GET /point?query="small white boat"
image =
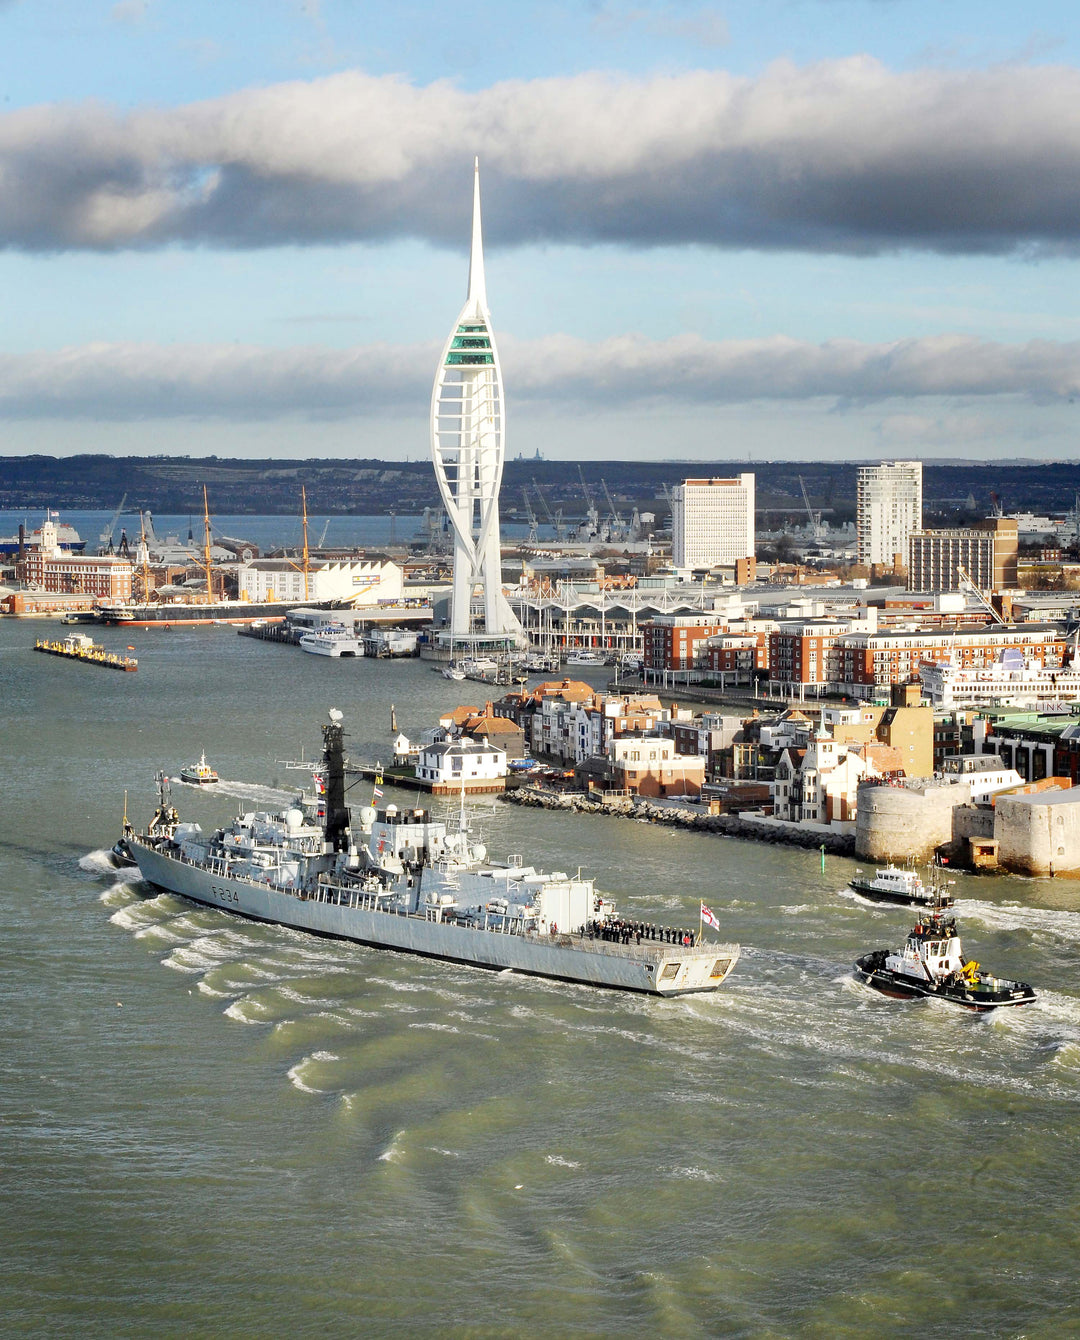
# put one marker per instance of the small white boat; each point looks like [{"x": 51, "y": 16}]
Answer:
[
  {"x": 586, "y": 658},
  {"x": 333, "y": 639},
  {"x": 453, "y": 672},
  {"x": 198, "y": 774},
  {"x": 479, "y": 665},
  {"x": 896, "y": 885}
]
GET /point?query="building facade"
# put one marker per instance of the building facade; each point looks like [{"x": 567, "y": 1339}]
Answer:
[
  {"x": 712, "y": 523},
  {"x": 865, "y": 665},
  {"x": 888, "y": 510},
  {"x": 49, "y": 568},
  {"x": 985, "y": 553},
  {"x": 269, "y": 579}
]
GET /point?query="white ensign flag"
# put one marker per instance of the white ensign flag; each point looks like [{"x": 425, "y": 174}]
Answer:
[{"x": 709, "y": 917}]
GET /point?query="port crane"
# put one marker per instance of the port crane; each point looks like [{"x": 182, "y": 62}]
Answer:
[
  {"x": 816, "y": 528},
  {"x": 106, "y": 537},
  {"x": 616, "y": 527},
  {"x": 555, "y": 519},
  {"x": 531, "y": 517}
]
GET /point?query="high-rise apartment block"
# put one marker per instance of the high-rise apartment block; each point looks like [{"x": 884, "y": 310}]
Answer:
[
  {"x": 888, "y": 509},
  {"x": 712, "y": 523},
  {"x": 986, "y": 553}
]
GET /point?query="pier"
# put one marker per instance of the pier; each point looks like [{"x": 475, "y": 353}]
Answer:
[{"x": 77, "y": 647}]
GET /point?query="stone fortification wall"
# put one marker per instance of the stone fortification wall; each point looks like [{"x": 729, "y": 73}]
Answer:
[
  {"x": 1037, "y": 837},
  {"x": 896, "y": 823},
  {"x": 973, "y": 821}
]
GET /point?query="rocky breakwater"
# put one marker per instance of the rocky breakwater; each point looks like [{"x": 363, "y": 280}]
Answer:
[{"x": 680, "y": 816}]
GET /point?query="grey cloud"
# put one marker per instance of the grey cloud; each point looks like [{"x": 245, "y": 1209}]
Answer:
[
  {"x": 843, "y": 156},
  {"x": 124, "y": 382}
]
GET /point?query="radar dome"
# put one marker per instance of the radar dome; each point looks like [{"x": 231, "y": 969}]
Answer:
[
  {"x": 294, "y": 818},
  {"x": 367, "y": 818}
]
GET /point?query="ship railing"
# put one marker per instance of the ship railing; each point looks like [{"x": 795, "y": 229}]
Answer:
[{"x": 649, "y": 951}]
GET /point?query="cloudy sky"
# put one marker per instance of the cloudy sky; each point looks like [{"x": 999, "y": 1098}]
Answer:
[{"x": 753, "y": 230}]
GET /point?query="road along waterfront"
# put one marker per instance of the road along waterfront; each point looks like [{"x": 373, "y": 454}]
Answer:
[{"x": 213, "y": 1126}]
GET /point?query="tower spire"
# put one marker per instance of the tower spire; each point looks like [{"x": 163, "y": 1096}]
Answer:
[{"x": 477, "y": 288}]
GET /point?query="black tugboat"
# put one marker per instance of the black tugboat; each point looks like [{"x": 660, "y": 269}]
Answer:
[{"x": 931, "y": 964}]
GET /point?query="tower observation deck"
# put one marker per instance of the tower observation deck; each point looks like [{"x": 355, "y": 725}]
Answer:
[{"x": 467, "y": 446}]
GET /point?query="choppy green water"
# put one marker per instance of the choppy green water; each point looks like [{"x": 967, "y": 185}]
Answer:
[{"x": 218, "y": 1128}]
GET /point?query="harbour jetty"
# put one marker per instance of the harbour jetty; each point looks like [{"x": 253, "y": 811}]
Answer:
[{"x": 79, "y": 647}]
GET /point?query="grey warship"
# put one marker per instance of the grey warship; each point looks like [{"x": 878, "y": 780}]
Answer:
[{"x": 411, "y": 883}]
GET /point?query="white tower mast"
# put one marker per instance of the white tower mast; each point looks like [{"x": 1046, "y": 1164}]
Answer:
[{"x": 467, "y": 436}]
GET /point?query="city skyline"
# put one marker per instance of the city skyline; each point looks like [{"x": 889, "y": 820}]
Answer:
[{"x": 810, "y": 228}]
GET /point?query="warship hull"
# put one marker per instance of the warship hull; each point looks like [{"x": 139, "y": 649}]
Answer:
[{"x": 338, "y": 912}]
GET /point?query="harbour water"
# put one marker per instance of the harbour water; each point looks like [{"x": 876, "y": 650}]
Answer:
[{"x": 219, "y": 1128}]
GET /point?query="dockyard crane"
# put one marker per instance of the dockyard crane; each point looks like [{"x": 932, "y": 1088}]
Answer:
[
  {"x": 815, "y": 517},
  {"x": 555, "y": 522},
  {"x": 968, "y": 583},
  {"x": 617, "y": 528},
  {"x": 531, "y": 517},
  {"x": 106, "y": 536}
]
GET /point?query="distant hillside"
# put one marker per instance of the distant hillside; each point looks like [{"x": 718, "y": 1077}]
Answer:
[{"x": 174, "y": 484}]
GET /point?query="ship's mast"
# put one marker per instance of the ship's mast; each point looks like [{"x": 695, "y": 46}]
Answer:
[
  {"x": 307, "y": 565},
  {"x": 337, "y": 813},
  {"x": 144, "y": 554},
  {"x": 206, "y": 549}
]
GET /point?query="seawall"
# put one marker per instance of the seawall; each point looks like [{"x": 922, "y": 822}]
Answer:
[{"x": 725, "y": 825}]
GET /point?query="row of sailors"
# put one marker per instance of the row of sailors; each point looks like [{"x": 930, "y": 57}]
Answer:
[{"x": 623, "y": 932}]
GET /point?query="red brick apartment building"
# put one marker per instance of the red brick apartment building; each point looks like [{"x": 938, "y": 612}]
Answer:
[
  {"x": 670, "y": 641},
  {"x": 866, "y": 663}
]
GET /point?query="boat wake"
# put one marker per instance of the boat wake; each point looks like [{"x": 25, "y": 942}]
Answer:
[
  {"x": 1014, "y": 916},
  {"x": 100, "y": 862},
  {"x": 254, "y": 791}
]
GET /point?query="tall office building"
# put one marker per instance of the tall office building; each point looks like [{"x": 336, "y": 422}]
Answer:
[
  {"x": 467, "y": 446},
  {"x": 888, "y": 509},
  {"x": 712, "y": 522},
  {"x": 985, "y": 553}
]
